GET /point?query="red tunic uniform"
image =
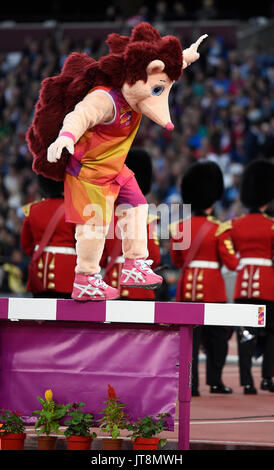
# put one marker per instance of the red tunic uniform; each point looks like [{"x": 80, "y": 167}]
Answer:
[
  {"x": 56, "y": 267},
  {"x": 253, "y": 239},
  {"x": 202, "y": 280},
  {"x": 115, "y": 245}
]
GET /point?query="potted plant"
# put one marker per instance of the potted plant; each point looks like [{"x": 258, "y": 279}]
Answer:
[
  {"x": 145, "y": 431},
  {"x": 12, "y": 430},
  {"x": 113, "y": 421},
  {"x": 49, "y": 421},
  {"x": 78, "y": 433}
]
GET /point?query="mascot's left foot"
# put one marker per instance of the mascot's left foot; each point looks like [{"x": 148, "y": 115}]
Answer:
[
  {"x": 137, "y": 273},
  {"x": 92, "y": 287}
]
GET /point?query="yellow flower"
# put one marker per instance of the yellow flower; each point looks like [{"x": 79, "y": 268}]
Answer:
[{"x": 48, "y": 395}]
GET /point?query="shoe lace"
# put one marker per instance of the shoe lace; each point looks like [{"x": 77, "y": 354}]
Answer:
[
  {"x": 145, "y": 264},
  {"x": 98, "y": 281}
]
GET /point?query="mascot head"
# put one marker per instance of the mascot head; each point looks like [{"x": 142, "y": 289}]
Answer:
[{"x": 144, "y": 66}]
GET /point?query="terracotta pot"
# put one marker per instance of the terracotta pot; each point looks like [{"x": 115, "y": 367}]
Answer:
[
  {"x": 46, "y": 442},
  {"x": 79, "y": 442},
  {"x": 13, "y": 441},
  {"x": 146, "y": 443},
  {"x": 112, "y": 444}
]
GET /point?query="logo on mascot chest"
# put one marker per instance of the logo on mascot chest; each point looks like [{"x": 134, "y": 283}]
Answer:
[{"x": 125, "y": 116}]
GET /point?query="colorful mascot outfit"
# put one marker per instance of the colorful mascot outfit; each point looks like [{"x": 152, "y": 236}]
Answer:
[{"x": 93, "y": 110}]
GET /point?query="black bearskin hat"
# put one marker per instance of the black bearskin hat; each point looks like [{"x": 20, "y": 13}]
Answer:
[
  {"x": 139, "y": 161},
  {"x": 202, "y": 185},
  {"x": 49, "y": 187},
  {"x": 257, "y": 185}
]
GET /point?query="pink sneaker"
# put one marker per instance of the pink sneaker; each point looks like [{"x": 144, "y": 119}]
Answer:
[
  {"x": 92, "y": 287},
  {"x": 137, "y": 273}
]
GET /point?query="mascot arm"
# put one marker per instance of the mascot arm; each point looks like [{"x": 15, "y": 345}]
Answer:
[
  {"x": 191, "y": 55},
  {"x": 95, "y": 108}
]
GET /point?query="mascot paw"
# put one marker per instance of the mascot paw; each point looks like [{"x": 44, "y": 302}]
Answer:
[{"x": 55, "y": 149}]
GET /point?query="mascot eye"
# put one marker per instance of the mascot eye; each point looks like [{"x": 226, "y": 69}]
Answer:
[{"x": 157, "y": 90}]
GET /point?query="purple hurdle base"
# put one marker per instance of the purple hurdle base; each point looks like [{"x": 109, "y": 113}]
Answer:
[{"x": 136, "y": 325}]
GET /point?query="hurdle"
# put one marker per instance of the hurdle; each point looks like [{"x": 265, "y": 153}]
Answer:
[{"x": 180, "y": 317}]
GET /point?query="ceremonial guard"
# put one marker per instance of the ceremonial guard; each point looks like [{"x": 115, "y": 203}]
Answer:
[
  {"x": 138, "y": 160},
  {"x": 49, "y": 240},
  {"x": 253, "y": 238},
  {"x": 201, "y": 279}
]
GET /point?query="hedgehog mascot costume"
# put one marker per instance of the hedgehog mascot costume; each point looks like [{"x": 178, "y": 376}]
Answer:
[{"x": 85, "y": 121}]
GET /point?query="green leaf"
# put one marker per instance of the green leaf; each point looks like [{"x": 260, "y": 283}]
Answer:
[
  {"x": 162, "y": 442},
  {"x": 115, "y": 432}
]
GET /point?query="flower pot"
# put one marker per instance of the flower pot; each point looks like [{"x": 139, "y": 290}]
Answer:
[
  {"x": 46, "y": 442},
  {"x": 146, "y": 443},
  {"x": 79, "y": 442},
  {"x": 13, "y": 441},
  {"x": 112, "y": 444}
]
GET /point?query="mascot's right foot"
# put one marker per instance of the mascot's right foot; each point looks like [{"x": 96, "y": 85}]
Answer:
[
  {"x": 137, "y": 273},
  {"x": 92, "y": 287}
]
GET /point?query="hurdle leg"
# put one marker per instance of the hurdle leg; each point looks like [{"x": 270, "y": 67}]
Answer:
[{"x": 185, "y": 385}]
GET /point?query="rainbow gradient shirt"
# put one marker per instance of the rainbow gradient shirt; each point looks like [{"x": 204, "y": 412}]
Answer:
[{"x": 100, "y": 153}]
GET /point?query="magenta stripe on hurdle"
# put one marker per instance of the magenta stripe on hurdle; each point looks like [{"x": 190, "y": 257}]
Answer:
[
  {"x": 4, "y": 307},
  {"x": 186, "y": 313},
  {"x": 80, "y": 311}
]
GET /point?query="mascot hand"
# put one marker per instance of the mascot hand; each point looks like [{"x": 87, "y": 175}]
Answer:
[
  {"x": 191, "y": 55},
  {"x": 55, "y": 149}
]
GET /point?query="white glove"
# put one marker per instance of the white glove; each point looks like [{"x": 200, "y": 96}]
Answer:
[
  {"x": 56, "y": 148},
  {"x": 191, "y": 55}
]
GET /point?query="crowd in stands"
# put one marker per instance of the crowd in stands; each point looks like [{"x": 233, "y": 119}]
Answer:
[{"x": 222, "y": 109}]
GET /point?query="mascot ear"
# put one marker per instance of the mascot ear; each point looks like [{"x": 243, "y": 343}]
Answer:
[{"x": 155, "y": 66}]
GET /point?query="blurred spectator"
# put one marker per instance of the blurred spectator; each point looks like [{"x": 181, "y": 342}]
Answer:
[
  {"x": 113, "y": 14},
  {"x": 207, "y": 11},
  {"x": 179, "y": 12},
  {"x": 143, "y": 14},
  {"x": 160, "y": 13}
]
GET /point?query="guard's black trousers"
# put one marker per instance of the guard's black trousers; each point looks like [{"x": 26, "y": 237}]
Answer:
[
  {"x": 262, "y": 343},
  {"x": 215, "y": 343}
]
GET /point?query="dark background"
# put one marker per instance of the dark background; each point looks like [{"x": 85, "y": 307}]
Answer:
[{"x": 96, "y": 11}]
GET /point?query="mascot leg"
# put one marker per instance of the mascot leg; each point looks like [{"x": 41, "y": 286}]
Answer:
[
  {"x": 136, "y": 271},
  {"x": 88, "y": 283}
]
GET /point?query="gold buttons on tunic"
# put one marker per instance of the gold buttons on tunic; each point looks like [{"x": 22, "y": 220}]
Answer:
[
  {"x": 52, "y": 263},
  {"x": 51, "y": 285}
]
